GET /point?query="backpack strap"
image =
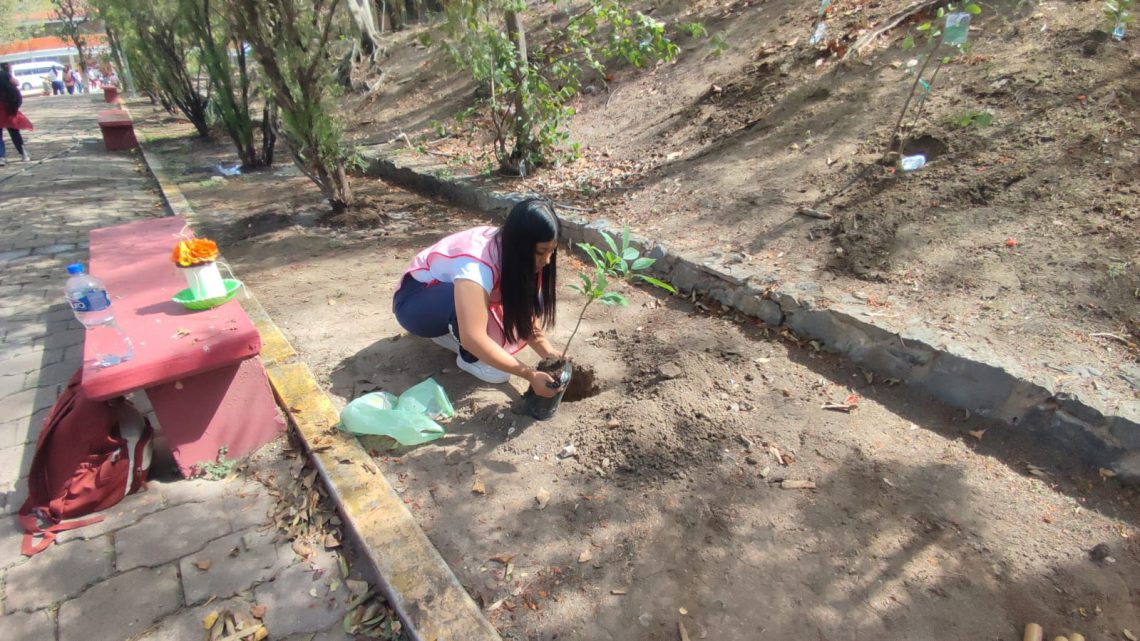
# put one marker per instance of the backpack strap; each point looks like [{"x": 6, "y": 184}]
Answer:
[{"x": 31, "y": 525}]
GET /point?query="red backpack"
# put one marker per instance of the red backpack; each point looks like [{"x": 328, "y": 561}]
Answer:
[{"x": 89, "y": 455}]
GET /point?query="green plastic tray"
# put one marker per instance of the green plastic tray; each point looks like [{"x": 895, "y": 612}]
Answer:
[{"x": 187, "y": 300}]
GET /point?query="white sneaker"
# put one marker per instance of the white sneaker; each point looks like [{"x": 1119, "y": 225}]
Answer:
[
  {"x": 25, "y": 157},
  {"x": 447, "y": 341},
  {"x": 482, "y": 371}
]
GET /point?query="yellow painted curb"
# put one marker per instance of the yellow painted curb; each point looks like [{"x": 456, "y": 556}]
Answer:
[
  {"x": 423, "y": 589},
  {"x": 416, "y": 580}
]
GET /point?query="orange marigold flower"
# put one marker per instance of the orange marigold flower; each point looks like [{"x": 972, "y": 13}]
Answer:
[{"x": 188, "y": 253}]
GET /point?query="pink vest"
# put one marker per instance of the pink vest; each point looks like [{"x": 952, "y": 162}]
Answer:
[{"x": 478, "y": 243}]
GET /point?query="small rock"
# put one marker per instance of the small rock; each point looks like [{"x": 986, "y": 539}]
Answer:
[
  {"x": 1100, "y": 552},
  {"x": 568, "y": 451},
  {"x": 612, "y": 423},
  {"x": 765, "y": 471},
  {"x": 669, "y": 370},
  {"x": 751, "y": 460}
]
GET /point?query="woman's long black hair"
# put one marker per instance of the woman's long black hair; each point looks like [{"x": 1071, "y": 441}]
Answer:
[{"x": 530, "y": 222}]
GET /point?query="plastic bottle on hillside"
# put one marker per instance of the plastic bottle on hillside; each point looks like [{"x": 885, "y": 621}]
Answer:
[
  {"x": 912, "y": 163},
  {"x": 91, "y": 303}
]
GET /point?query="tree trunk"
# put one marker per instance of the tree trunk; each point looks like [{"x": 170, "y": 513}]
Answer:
[
  {"x": 268, "y": 132},
  {"x": 341, "y": 197},
  {"x": 521, "y": 129},
  {"x": 364, "y": 16}
]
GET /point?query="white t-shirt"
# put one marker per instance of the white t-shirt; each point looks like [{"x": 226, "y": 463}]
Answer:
[{"x": 448, "y": 270}]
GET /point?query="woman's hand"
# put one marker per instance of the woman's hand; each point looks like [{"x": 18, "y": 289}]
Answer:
[{"x": 543, "y": 384}]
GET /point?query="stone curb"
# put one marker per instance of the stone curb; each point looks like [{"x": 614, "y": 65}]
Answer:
[
  {"x": 415, "y": 579},
  {"x": 954, "y": 373}
]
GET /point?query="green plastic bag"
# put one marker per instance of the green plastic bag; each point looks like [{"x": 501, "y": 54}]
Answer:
[{"x": 410, "y": 419}]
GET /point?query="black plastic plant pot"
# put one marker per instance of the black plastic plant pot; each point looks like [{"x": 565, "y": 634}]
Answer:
[{"x": 541, "y": 407}]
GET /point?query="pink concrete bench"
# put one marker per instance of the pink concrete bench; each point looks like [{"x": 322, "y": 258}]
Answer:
[
  {"x": 200, "y": 369},
  {"x": 118, "y": 130}
]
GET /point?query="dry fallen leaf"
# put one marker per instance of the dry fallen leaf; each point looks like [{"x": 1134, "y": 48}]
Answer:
[
  {"x": 978, "y": 434},
  {"x": 257, "y": 611},
  {"x": 682, "y": 611},
  {"x": 618, "y": 591},
  {"x": 542, "y": 497},
  {"x": 180, "y": 332},
  {"x": 797, "y": 485},
  {"x": 203, "y": 565},
  {"x": 503, "y": 558},
  {"x": 331, "y": 542},
  {"x": 585, "y": 556},
  {"x": 681, "y": 629},
  {"x": 356, "y": 587},
  {"x": 478, "y": 488},
  {"x": 261, "y": 634},
  {"x": 210, "y": 619},
  {"x": 1106, "y": 473},
  {"x": 302, "y": 550}
]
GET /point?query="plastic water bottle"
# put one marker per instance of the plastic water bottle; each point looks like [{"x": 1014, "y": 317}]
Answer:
[
  {"x": 911, "y": 163},
  {"x": 88, "y": 298},
  {"x": 1118, "y": 31},
  {"x": 818, "y": 34}
]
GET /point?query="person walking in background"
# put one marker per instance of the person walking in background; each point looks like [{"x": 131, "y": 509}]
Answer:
[
  {"x": 92, "y": 79},
  {"x": 10, "y": 116},
  {"x": 77, "y": 77},
  {"x": 69, "y": 79},
  {"x": 56, "y": 81}
]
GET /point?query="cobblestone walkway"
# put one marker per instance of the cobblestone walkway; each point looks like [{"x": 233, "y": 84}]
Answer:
[{"x": 163, "y": 559}]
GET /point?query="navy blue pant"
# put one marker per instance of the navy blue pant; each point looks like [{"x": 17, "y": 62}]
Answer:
[{"x": 428, "y": 311}]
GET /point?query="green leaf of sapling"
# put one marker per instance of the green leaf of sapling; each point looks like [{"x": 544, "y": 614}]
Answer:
[
  {"x": 629, "y": 253},
  {"x": 642, "y": 263},
  {"x": 613, "y": 298},
  {"x": 657, "y": 283},
  {"x": 625, "y": 240},
  {"x": 974, "y": 8},
  {"x": 610, "y": 241}
]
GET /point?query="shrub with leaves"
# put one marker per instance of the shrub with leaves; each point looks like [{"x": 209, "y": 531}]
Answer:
[
  {"x": 291, "y": 42},
  {"x": 528, "y": 93},
  {"x": 612, "y": 262},
  {"x": 221, "y": 53},
  {"x": 162, "y": 53}
]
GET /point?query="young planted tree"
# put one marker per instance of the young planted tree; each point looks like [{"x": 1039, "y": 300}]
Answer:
[
  {"x": 72, "y": 15},
  {"x": 529, "y": 91},
  {"x": 614, "y": 262},
  {"x": 290, "y": 39},
  {"x": 948, "y": 30},
  {"x": 221, "y": 53}
]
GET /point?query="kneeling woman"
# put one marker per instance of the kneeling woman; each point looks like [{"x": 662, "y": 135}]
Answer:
[{"x": 487, "y": 292}]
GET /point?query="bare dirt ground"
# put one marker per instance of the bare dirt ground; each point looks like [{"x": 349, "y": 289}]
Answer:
[
  {"x": 923, "y": 524},
  {"x": 713, "y": 154}
]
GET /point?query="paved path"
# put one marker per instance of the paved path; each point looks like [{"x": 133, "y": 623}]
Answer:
[{"x": 137, "y": 575}]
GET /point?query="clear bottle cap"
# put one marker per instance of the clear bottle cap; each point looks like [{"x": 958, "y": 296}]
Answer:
[{"x": 75, "y": 268}]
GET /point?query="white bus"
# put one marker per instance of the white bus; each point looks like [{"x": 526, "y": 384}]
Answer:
[{"x": 30, "y": 75}]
